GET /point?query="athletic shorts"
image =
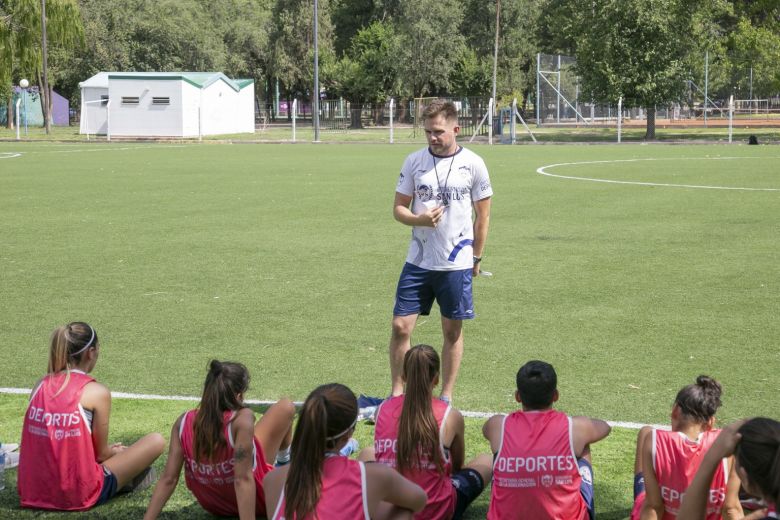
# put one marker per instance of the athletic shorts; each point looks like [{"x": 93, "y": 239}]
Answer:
[
  {"x": 418, "y": 287},
  {"x": 109, "y": 487},
  {"x": 586, "y": 485},
  {"x": 468, "y": 485}
]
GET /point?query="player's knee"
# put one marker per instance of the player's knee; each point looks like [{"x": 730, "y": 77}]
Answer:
[
  {"x": 156, "y": 443},
  {"x": 286, "y": 407},
  {"x": 401, "y": 328}
]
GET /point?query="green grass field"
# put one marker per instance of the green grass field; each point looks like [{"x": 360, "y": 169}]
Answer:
[{"x": 285, "y": 257}]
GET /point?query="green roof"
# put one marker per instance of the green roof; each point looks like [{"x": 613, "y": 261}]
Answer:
[{"x": 196, "y": 79}]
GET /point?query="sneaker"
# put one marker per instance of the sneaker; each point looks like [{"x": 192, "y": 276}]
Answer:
[
  {"x": 367, "y": 407},
  {"x": 350, "y": 447},
  {"x": 282, "y": 458},
  {"x": 8, "y": 448},
  {"x": 11, "y": 460},
  {"x": 142, "y": 481}
]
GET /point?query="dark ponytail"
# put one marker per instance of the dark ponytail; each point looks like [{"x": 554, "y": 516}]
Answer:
[
  {"x": 758, "y": 453},
  {"x": 224, "y": 384},
  {"x": 418, "y": 432},
  {"x": 700, "y": 401},
  {"x": 327, "y": 415}
]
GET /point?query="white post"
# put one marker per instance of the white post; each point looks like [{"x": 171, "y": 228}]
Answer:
[
  {"x": 18, "y": 102},
  {"x": 108, "y": 120},
  {"x": 538, "y": 87},
  {"x": 490, "y": 122},
  {"x": 731, "y": 114},
  {"x": 512, "y": 126},
  {"x": 392, "y": 109},
  {"x": 558, "y": 96},
  {"x": 620, "y": 118},
  {"x": 200, "y": 116},
  {"x": 294, "y": 113},
  {"x": 706, "y": 83}
]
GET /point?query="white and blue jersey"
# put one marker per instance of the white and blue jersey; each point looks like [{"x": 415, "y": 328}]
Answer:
[{"x": 456, "y": 182}]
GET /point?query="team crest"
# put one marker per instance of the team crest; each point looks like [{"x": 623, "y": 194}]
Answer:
[
  {"x": 424, "y": 192},
  {"x": 547, "y": 480}
]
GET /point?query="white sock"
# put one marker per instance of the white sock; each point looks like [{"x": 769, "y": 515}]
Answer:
[{"x": 283, "y": 456}]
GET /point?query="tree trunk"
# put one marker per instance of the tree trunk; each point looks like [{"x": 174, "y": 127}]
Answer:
[
  {"x": 379, "y": 114},
  {"x": 650, "y": 132},
  {"x": 403, "y": 112},
  {"x": 11, "y": 114},
  {"x": 355, "y": 109}
]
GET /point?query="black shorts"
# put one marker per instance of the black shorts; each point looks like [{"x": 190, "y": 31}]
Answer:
[
  {"x": 109, "y": 487},
  {"x": 468, "y": 486}
]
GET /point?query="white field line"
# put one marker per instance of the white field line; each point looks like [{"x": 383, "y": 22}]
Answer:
[
  {"x": 155, "y": 397},
  {"x": 9, "y": 155},
  {"x": 102, "y": 148},
  {"x": 542, "y": 171}
]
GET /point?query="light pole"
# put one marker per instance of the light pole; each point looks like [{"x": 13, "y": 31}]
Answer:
[{"x": 24, "y": 84}]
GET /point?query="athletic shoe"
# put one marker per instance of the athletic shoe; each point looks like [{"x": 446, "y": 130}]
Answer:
[
  {"x": 8, "y": 448},
  {"x": 11, "y": 460},
  {"x": 367, "y": 407},
  {"x": 282, "y": 458},
  {"x": 142, "y": 481},
  {"x": 350, "y": 448}
]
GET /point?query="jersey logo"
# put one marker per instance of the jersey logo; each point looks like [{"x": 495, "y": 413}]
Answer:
[{"x": 424, "y": 192}]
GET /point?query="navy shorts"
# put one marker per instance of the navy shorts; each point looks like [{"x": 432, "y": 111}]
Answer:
[
  {"x": 418, "y": 287},
  {"x": 468, "y": 485},
  {"x": 109, "y": 487},
  {"x": 639, "y": 484},
  {"x": 586, "y": 485}
]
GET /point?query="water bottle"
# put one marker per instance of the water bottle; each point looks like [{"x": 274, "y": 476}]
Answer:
[{"x": 2, "y": 467}]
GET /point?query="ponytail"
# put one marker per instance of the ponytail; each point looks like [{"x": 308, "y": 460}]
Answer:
[
  {"x": 224, "y": 384},
  {"x": 701, "y": 400},
  {"x": 69, "y": 343},
  {"x": 758, "y": 453},
  {"x": 327, "y": 415},
  {"x": 418, "y": 432}
]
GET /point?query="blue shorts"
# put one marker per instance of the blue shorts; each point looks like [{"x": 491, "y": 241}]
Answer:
[
  {"x": 418, "y": 287},
  {"x": 586, "y": 485},
  {"x": 109, "y": 487},
  {"x": 468, "y": 486}
]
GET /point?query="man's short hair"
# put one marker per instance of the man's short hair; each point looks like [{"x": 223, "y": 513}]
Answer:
[
  {"x": 441, "y": 107},
  {"x": 536, "y": 384}
]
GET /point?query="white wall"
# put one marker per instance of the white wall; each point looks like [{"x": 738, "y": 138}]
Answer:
[
  {"x": 190, "y": 96},
  {"x": 93, "y": 115},
  {"x": 146, "y": 119},
  {"x": 225, "y": 111},
  {"x": 245, "y": 118}
]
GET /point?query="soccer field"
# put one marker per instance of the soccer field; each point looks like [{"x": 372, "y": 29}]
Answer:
[{"x": 285, "y": 257}]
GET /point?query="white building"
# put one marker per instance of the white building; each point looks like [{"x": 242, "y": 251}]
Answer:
[{"x": 177, "y": 104}]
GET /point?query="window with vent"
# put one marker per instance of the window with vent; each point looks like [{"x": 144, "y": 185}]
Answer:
[
  {"x": 130, "y": 100},
  {"x": 103, "y": 100},
  {"x": 161, "y": 101}
]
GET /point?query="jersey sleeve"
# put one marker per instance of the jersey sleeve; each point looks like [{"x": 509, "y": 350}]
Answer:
[
  {"x": 481, "y": 188},
  {"x": 406, "y": 178}
]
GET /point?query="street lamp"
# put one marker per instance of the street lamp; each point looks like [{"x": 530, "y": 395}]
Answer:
[{"x": 24, "y": 84}]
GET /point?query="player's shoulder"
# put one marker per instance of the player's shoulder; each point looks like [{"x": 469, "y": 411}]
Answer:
[{"x": 417, "y": 156}]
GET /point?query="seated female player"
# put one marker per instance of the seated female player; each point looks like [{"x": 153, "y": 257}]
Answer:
[
  {"x": 755, "y": 444},
  {"x": 423, "y": 438},
  {"x": 666, "y": 461},
  {"x": 66, "y": 462},
  {"x": 223, "y": 450},
  {"x": 321, "y": 483}
]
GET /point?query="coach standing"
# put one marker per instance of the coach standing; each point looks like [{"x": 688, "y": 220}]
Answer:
[{"x": 436, "y": 191}]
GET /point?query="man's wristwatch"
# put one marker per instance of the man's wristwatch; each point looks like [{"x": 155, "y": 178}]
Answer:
[{"x": 477, "y": 259}]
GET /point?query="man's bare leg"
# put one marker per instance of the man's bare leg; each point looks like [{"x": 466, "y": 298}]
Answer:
[
  {"x": 451, "y": 354},
  {"x": 400, "y": 343}
]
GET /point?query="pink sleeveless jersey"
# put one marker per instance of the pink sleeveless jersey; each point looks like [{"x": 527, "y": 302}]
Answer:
[
  {"x": 212, "y": 483},
  {"x": 676, "y": 459},
  {"x": 535, "y": 474},
  {"x": 343, "y": 494},
  {"x": 57, "y": 468},
  {"x": 438, "y": 486}
]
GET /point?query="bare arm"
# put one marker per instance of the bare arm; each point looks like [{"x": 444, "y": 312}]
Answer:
[
  {"x": 170, "y": 476},
  {"x": 732, "y": 507},
  {"x": 653, "y": 507},
  {"x": 481, "y": 225},
  {"x": 492, "y": 432},
  {"x": 243, "y": 430},
  {"x": 386, "y": 484},
  {"x": 403, "y": 213},
  {"x": 97, "y": 398},
  {"x": 588, "y": 431},
  {"x": 456, "y": 430}
]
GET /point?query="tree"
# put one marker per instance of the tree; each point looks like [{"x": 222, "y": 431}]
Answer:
[
  {"x": 291, "y": 44},
  {"x": 367, "y": 73},
  {"x": 431, "y": 42},
  {"x": 21, "y": 38},
  {"x": 633, "y": 49}
]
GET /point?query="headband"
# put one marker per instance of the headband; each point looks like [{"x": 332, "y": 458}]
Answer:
[
  {"x": 334, "y": 437},
  {"x": 89, "y": 343}
]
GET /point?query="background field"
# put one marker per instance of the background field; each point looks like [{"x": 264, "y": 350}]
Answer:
[{"x": 286, "y": 257}]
